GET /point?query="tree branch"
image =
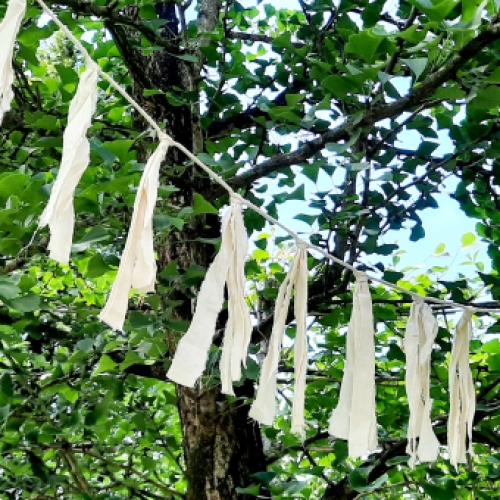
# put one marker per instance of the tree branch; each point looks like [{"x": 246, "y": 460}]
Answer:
[
  {"x": 416, "y": 97},
  {"x": 108, "y": 13},
  {"x": 256, "y": 38}
]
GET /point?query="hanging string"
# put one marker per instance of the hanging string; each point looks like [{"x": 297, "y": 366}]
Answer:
[
  {"x": 229, "y": 189},
  {"x": 462, "y": 393},
  {"x": 138, "y": 264},
  {"x": 59, "y": 213},
  {"x": 354, "y": 418},
  {"x": 264, "y": 406},
  {"x": 193, "y": 348},
  {"x": 421, "y": 331}
]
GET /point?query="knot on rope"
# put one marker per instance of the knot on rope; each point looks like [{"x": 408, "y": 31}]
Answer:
[
  {"x": 236, "y": 198},
  {"x": 165, "y": 138},
  {"x": 360, "y": 275}
]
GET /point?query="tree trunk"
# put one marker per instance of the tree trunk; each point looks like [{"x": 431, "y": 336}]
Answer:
[{"x": 222, "y": 446}]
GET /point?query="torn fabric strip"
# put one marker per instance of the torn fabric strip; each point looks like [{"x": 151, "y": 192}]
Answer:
[
  {"x": 300, "y": 345},
  {"x": 264, "y": 406},
  {"x": 228, "y": 266},
  {"x": 59, "y": 213},
  {"x": 462, "y": 393},
  {"x": 238, "y": 328},
  {"x": 138, "y": 264},
  {"x": 354, "y": 417},
  {"x": 421, "y": 331},
  {"x": 9, "y": 27}
]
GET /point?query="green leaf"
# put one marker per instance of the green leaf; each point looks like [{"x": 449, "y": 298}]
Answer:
[
  {"x": 493, "y": 362},
  {"x": 6, "y": 386},
  {"x": 358, "y": 479},
  {"x": 121, "y": 149},
  {"x": 436, "y": 493},
  {"x": 417, "y": 232},
  {"x": 339, "y": 86},
  {"x": 308, "y": 219},
  {"x": 292, "y": 487},
  {"x": 357, "y": 167},
  {"x": 436, "y": 10},
  {"x": 491, "y": 347},
  {"x": 253, "y": 490},
  {"x": 8, "y": 289},
  {"x": 103, "y": 152},
  {"x": 97, "y": 267},
  {"x": 95, "y": 235},
  {"x": 294, "y": 99},
  {"x": 85, "y": 344},
  {"x": 106, "y": 364},
  {"x": 12, "y": 183},
  {"x": 440, "y": 249},
  {"x": 265, "y": 477},
  {"x": 26, "y": 303},
  {"x": 417, "y": 65},
  {"x": 364, "y": 44},
  {"x": 70, "y": 394},
  {"x": 468, "y": 239},
  {"x": 188, "y": 57},
  {"x": 202, "y": 206},
  {"x": 131, "y": 358},
  {"x": 486, "y": 99}
]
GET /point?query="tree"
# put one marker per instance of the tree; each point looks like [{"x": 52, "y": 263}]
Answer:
[{"x": 272, "y": 98}]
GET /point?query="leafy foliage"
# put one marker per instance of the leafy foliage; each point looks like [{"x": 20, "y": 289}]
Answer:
[{"x": 305, "y": 106}]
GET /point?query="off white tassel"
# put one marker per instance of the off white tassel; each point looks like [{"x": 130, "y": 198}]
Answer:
[
  {"x": 462, "y": 393},
  {"x": 300, "y": 347},
  {"x": 264, "y": 406},
  {"x": 138, "y": 265},
  {"x": 421, "y": 331},
  {"x": 238, "y": 327},
  {"x": 354, "y": 418},
  {"x": 192, "y": 351},
  {"x": 9, "y": 28},
  {"x": 59, "y": 213}
]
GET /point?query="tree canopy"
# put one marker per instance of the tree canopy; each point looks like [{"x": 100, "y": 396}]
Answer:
[{"x": 300, "y": 106}]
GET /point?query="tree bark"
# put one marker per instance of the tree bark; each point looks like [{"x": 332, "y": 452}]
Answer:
[{"x": 222, "y": 446}]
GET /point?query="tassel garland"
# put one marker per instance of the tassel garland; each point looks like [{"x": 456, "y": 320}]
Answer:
[
  {"x": 354, "y": 417},
  {"x": 264, "y": 406},
  {"x": 138, "y": 264},
  {"x": 421, "y": 330},
  {"x": 9, "y": 28},
  {"x": 462, "y": 393},
  {"x": 228, "y": 267},
  {"x": 59, "y": 213}
]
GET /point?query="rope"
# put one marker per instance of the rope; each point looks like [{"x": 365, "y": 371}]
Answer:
[{"x": 234, "y": 195}]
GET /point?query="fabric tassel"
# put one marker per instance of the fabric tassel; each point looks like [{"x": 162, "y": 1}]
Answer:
[
  {"x": 239, "y": 327},
  {"x": 59, "y": 213},
  {"x": 354, "y": 417},
  {"x": 138, "y": 264},
  {"x": 462, "y": 393},
  {"x": 9, "y": 28},
  {"x": 228, "y": 266},
  {"x": 300, "y": 346},
  {"x": 421, "y": 331},
  {"x": 264, "y": 406}
]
